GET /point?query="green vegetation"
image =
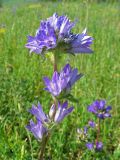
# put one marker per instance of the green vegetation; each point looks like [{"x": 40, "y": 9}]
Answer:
[{"x": 21, "y": 79}]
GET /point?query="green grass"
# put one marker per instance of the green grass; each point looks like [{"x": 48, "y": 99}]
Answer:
[{"x": 21, "y": 79}]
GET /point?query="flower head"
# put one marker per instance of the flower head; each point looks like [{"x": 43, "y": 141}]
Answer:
[
  {"x": 44, "y": 122},
  {"x": 90, "y": 145},
  {"x": 91, "y": 124},
  {"x": 37, "y": 129},
  {"x": 62, "y": 81},
  {"x": 99, "y": 146},
  {"x": 61, "y": 112},
  {"x": 81, "y": 43},
  {"x": 98, "y": 108},
  {"x": 37, "y": 111},
  {"x": 55, "y": 32}
]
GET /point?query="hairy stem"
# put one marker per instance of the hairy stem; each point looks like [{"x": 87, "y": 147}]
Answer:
[{"x": 43, "y": 145}]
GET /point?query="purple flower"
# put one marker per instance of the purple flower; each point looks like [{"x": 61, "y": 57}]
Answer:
[
  {"x": 55, "y": 32},
  {"x": 91, "y": 124},
  {"x": 38, "y": 113},
  {"x": 62, "y": 26},
  {"x": 44, "y": 39},
  {"x": 99, "y": 146},
  {"x": 81, "y": 43},
  {"x": 90, "y": 145},
  {"x": 45, "y": 122},
  {"x": 37, "y": 129},
  {"x": 98, "y": 108},
  {"x": 62, "y": 81},
  {"x": 61, "y": 112}
]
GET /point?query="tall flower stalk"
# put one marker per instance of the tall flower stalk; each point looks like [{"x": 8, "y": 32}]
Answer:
[{"x": 55, "y": 34}]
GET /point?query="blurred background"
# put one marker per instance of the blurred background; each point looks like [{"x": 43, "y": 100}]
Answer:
[{"x": 21, "y": 74}]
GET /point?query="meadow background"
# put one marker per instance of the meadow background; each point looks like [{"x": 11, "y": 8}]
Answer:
[{"x": 21, "y": 75}]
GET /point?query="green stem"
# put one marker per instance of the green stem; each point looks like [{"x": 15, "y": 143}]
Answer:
[
  {"x": 43, "y": 145},
  {"x": 55, "y": 62},
  {"x": 55, "y": 69},
  {"x": 98, "y": 131}
]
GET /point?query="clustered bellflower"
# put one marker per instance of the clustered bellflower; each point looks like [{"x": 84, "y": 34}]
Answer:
[
  {"x": 62, "y": 81},
  {"x": 98, "y": 146},
  {"x": 55, "y": 33},
  {"x": 98, "y": 108},
  {"x": 43, "y": 121}
]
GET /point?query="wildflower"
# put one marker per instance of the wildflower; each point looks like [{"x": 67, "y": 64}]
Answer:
[
  {"x": 62, "y": 111},
  {"x": 99, "y": 146},
  {"x": 89, "y": 145},
  {"x": 91, "y": 124},
  {"x": 98, "y": 108},
  {"x": 81, "y": 43},
  {"x": 45, "y": 122},
  {"x": 37, "y": 129},
  {"x": 62, "y": 81},
  {"x": 38, "y": 113},
  {"x": 55, "y": 33}
]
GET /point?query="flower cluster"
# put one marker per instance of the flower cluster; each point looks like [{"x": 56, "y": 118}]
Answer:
[
  {"x": 43, "y": 121},
  {"x": 62, "y": 81},
  {"x": 97, "y": 146},
  {"x": 55, "y": 32},
  {"x": 98, "y": 108}
]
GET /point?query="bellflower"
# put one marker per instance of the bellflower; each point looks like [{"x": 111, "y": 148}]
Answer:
[
  {"x": 37, "y": 129},
  {"x": 62, "y": 111},
  {"x": 91, "y": 124},
  {"x": 41, "y": 127},
  {"x": 55, "y": 33},
  {"x": 62, "y": 81},
  {"x": 98, "y": 108},
  {"x": 98, "y": 146},
  {"x": 37, "y": 111},
  {"x": 89, "y": 145}
]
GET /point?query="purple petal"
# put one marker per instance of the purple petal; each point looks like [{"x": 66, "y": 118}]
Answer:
[
  {"x": 99, "y": 146},
  {"x": 102, "y": 104},
  {"x": 85, "y": 130},
  {"x": 38, "y": 113},
  {"x": 89, "y": 145},
  {"x": 37, "y": 129},
  {"x": 107, "y": 115},
  {"x": 91, "y": 124},
  {"x": 65, "y": 105},
  {"x": 108, "y": 108}
]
